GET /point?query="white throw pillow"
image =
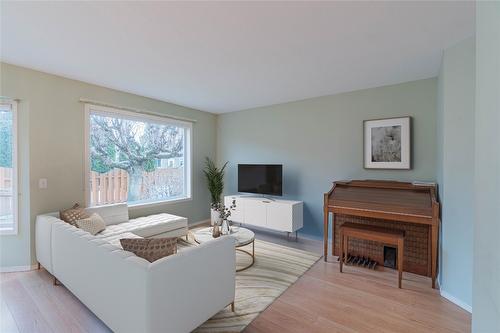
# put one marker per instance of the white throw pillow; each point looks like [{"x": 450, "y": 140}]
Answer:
[{"x": 93, "y": 224}]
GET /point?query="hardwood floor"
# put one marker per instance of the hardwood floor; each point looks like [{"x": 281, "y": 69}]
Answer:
[
  {"x": 322, "y": 300},
  {"x": 31, "y": 303},
  {"x": 358, "y": 300}
]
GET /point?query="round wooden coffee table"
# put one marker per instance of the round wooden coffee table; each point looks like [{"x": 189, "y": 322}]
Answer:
[{"x": 242, "y": 236}]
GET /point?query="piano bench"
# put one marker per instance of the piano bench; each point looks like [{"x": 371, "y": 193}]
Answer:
[{"x": 372, "y": 233}]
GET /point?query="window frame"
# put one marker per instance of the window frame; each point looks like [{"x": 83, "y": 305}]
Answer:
[
  {"x": 139, "y": 116},
  {"x": 15, "y": 164}
]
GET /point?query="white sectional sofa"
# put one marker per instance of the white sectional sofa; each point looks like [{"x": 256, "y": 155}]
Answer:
[{"x": 174, "y": 294}]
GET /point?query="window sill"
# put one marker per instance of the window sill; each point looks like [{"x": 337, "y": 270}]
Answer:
[
  {"x": 158, "y": 203},
  {"x": 8, "y": 232}
]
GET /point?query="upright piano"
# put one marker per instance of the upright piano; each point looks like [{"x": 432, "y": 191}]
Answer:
[{"x": 379, "y": 201}]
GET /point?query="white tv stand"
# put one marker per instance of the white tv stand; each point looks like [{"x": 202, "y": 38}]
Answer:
[{"x": 275, "y": 214}]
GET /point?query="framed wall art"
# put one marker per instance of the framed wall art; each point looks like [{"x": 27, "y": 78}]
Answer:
[{"x": 387, "y": 143}]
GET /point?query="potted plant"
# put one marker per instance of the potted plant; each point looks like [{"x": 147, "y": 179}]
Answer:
[{"x": 215, "y": 183}]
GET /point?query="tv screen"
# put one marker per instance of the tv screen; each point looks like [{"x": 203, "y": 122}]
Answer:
[{"x": 260, "y": 178}]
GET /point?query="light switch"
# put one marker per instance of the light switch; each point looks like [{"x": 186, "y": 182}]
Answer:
[{"x": 42, "y": 183}]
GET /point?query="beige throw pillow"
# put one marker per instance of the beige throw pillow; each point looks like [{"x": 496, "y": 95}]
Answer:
[
  {"x": 73, "y": 214},
  {"x": 150, "y": 249},
  {"x": 93, "y": 224}
]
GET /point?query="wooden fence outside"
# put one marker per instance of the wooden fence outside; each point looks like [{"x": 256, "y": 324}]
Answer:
[
  {"x": 112, "y": 187},
  {"x": 107, "y": 188}
]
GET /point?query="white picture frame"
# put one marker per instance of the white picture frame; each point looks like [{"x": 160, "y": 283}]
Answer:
[{"x": 387, "y": 143}]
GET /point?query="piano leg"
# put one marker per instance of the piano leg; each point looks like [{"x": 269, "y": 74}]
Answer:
[
  {"x": 435, "y": 232},
  {"x": 333, "y": 234},
  {"x": 325, "y": 235},
  {"x": 341, "y": 255}
]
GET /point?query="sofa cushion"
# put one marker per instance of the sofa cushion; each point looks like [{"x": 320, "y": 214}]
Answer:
[
  {"x": 147, "y": 226},
  {"x": 93, "y": 224},
  {"x": 111, "y": 214},
  {"x": 115, "y": 239},
  {"x": 72, "y": 214},
  {"x": 150, "y": 249}
]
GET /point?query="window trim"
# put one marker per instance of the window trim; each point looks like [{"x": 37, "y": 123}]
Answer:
[
  {"x": 15, "y": 164},
  {"x": 138, "y": 116}
]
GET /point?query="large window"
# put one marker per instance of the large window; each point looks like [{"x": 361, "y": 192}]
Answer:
[
  {"x": 136, "y": 158},
  {"x": 8, "y": 168}
]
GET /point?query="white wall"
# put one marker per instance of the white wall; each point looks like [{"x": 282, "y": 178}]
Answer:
[
  {"x": 456, "y": 170},
  {"x": 486, "y": 284}
]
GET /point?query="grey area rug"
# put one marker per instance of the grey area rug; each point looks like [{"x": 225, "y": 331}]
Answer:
[{"x": 275, "y": 269}]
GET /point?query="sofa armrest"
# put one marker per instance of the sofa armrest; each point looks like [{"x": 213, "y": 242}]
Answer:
[
  {"x": 43, "y": 240},
  {"x": 186, "y": 289}
]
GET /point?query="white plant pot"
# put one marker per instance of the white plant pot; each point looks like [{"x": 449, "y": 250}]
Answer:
[{"x": 214, "y": 217}]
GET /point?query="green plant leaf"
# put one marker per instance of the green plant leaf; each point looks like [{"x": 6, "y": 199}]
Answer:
[{"x": 215, "y": 179}]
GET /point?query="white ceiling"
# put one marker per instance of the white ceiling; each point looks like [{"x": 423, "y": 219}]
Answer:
[{"x": 229, "y": 56}]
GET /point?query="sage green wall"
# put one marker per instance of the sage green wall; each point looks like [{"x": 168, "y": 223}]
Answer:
[
  {"x": 55, "y": 137},
  {"x": 456, "y": 170},
  {"x": 320, "y": 140},
  {"x": 486, "y": 282}
]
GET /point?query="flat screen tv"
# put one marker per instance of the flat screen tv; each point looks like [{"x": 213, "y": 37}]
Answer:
[{"x": 260, "y": 179}]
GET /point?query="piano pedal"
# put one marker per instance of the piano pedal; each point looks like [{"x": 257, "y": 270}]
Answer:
[
  {"x": 360, "y": 261},
  {"x": 365, "y": 262},
  {"x": 371, "y": 264}
]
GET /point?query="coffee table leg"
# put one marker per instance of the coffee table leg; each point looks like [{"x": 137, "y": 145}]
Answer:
[{"x": 252, "y": 255}]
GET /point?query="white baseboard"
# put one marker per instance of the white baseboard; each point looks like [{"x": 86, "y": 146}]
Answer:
[
  {"x": 303, "y": 237},
  {"x": 311, "y": 238},
  {"x": 456, "y": 301},
  {"x": 12, "y": 269}
]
